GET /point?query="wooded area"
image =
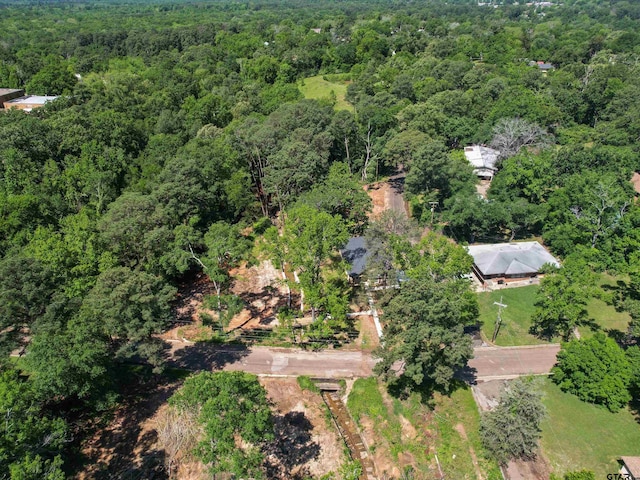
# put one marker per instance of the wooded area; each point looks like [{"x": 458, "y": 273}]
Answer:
[{"x": 181, "y": 144}]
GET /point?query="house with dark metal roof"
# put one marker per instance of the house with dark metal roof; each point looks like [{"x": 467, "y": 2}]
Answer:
[
  {"x": 503, "y": 262},
  {"x": 355, "y": 254}
]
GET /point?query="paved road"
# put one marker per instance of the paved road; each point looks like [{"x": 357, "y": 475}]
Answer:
[
  {"x": 489, "y": 362},
  {"x": 508, "y": 362},
  {"x": 274, "y": 361}
]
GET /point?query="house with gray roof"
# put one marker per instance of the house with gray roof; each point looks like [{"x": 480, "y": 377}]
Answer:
[
  {"x": 503, "y": 262},
  {"x": 484, "y": 160},
  {"x": 355, "y": 254}
]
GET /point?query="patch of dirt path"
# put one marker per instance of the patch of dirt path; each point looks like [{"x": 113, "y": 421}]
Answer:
[
  {"x": 307, "y": 443},
  {"x": 127, "y": 447},
  {"x": 262, "y": 289},
  {"x": 474, "y": 459}
]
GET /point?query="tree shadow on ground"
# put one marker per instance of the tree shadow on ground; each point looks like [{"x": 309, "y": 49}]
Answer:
[
  {"x": 292, "y": 448},
  {"x": 634, "y": 404},
  {"x": 397, "y": 184},
  {"x": 207, "y": 356},
  {"x": 125, "y": 449},
  {"x": 190, "y": 296},
  {"x": 468, "y": 375}
]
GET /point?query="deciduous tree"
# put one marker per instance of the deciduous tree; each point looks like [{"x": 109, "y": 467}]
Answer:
[
  {"x": 561, "y": 301},
  {"x": 424, "y": 339},
  {"x": 234, "y": 412},
  {"x": 596, "y": 370}
]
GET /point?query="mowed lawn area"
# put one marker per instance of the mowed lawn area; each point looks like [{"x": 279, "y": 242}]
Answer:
[
  {"x": 516, "y": 318},
  {"x": 320, "y": 89},
  {"x": 577, "y": 435}
]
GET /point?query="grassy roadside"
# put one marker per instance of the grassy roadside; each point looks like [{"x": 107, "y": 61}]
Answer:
[
  {"x": 578, "y": 435},
  {"x": 458, "y": 422},
  {"x": 517, "y": 317},
  {"x": 410, "y": 432}
]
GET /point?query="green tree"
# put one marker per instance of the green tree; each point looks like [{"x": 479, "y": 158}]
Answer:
[
  {"x": 225, "y": 248},
  {"x": 424, "y": 339},
  {"x": 26, "y": 291},
  {"x": 340, "y": 194},
  {"x": 596, "y": 370},
  {"x": 31, "y": 441},
  {"x": 55, "y": 78},
  {"x": 561, "y": 300},
  {"x": 311, "y": 237},
  {"x": 130, "y": 306},
  {"x": 512, "y": 429},
  {"x": 235, "y": 415}
]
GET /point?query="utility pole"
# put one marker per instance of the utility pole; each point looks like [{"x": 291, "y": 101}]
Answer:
[
  {"x": 433, "y": 209},
  {"x": 499, "y": 320}
]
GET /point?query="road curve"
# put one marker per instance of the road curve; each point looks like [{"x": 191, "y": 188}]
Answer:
[{"x": 488, "y": 362}]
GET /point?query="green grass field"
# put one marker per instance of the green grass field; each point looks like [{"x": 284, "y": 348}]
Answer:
[
  {"x": 320, "y": 89},
  {"x": 578, "y": 435},
  {"x": 458, "y": 423},
  {"x": 450, "y": 425},
  {"x": 516, "y": 318}
]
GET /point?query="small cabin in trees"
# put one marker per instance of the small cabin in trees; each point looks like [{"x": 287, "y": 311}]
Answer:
[
  {"x": 484, "y": 160},
  {"x": 355, "y": 254},
  {"x": 507, "y": 262}
]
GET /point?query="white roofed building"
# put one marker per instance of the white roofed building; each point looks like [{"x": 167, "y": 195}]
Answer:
[
  {"x": 504, "y": 262},
  {"x": 483, "y": 159},
  {"x": 29, "y": 102}
]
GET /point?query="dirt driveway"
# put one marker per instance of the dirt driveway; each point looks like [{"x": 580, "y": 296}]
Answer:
[{"x": 388, "y": 195}]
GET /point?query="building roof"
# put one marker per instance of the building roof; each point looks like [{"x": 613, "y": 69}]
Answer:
[
  {"x": 33, "y": 99},
  {"x": 6, "y": 91},
  {"x": 356, "y": 254},
  {"x": 482, "y": 157},
  {"x": 633, "y": 465},
  {"x": 510, "y": 258}
]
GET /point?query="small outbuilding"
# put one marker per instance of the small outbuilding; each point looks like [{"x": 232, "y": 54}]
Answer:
[
  {"x": 505, "y": 262},
  {"x": 7, "y": 94},
  {"x": 355, "y": 254},
  {"x": 630, "y": 467},
  {"x": 29, "y": 102},
  {"x": 484, "y": 160}
]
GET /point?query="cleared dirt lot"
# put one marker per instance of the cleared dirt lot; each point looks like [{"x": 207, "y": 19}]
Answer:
[{"x": 127, "y": 446}]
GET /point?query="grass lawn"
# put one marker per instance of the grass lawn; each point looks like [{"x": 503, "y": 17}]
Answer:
[
  {"x": 578, "y": 435},
  {"x": 318, "y": 88},
  {"x": 449, "y": 428},
  {"x": 606, "y": 315},
  {"x": 516, "y": 318},
  {"x": 458, "y": 423}
]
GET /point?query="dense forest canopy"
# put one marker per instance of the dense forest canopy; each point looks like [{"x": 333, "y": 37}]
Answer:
[{"x": 181, "y": 137}]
